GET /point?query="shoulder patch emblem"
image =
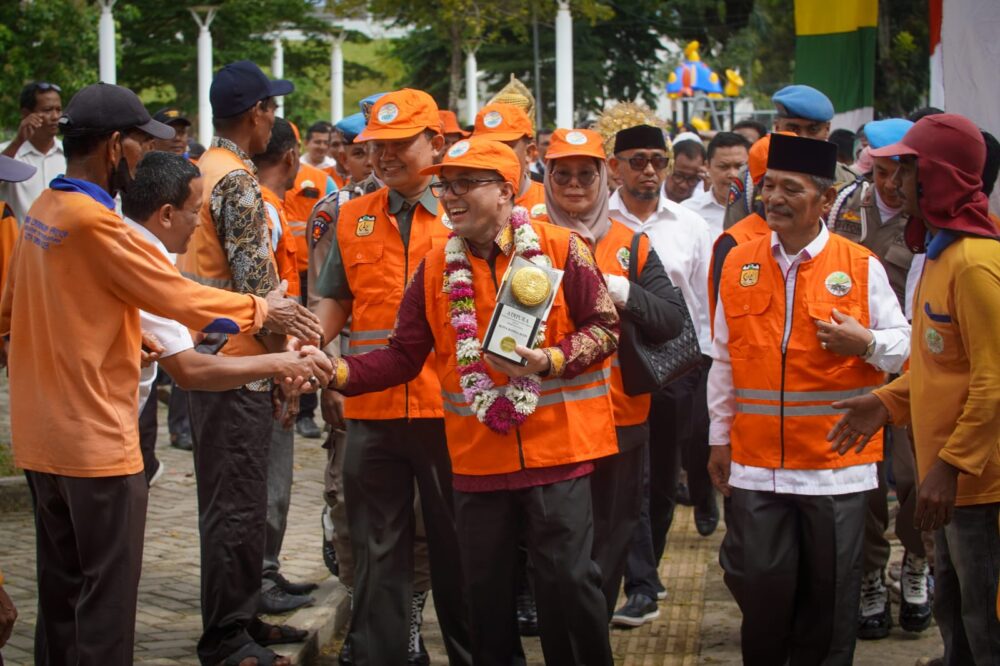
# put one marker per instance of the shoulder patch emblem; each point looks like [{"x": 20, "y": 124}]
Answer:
[
  {"x": 366, "y": 225},
  {"x": 838, "y": 283},
  {"x": 321, "y": 224},
  {"x": 749, "y": 275}
]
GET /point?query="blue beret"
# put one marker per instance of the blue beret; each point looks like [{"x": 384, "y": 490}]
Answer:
[
  {"x": 882, "y": 133},
  {"x": 352, "y": 126},
  {"x": 368, "y": 102},
  {"x": 805, "y": 102}
]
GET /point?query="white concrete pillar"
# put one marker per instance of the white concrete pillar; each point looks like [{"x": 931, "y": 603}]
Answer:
[
  {"x": 278, "y": 70},
  {"x": 564, "y": 66},
  {"x": 204, "y": 73},
  {"x": 106, "y": 40},
  {"x": 337, "y": 79},
  {"x": 471, "y": 87}
]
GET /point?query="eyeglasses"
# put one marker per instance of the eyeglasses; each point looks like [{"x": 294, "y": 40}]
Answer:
[
  {"x": 459, "y": 186},
  {"x": 639, "y": 162},
  {"x": 564, "y": 178},
  {"x": 685, "y": 178}
]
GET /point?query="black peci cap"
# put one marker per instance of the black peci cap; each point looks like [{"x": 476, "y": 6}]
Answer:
[
  {"x": 640, "y": 136},
  {"x": 239, "y": 85},
  {"x": 808, "y": 156},
  {"x": 103, "y": 108},
  {"x": 171, "y": 115}
]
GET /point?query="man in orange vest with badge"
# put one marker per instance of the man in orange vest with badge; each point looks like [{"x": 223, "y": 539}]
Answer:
[
  {"x": 522, "y": 436},
  {"x": 11, "y": 171},
  {"x": 395, "y": 437},
  {"x": 804, "y": 318},
  {"x": 511, "y": 125}
]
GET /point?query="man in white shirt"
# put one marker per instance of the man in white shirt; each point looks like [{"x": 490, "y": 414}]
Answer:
[
  {"x": 678, "y": 418},
  {"x": 35, "y": 144},
  {"x": 727, "y": 154},
  {"x": 804, "y": 318},
  {"x": 688, "y": 175},
  {"x": 318, "y": 138}
]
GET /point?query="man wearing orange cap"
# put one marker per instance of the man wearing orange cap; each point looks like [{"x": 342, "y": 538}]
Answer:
[
  {"x": 510, "y": 125},
  {"x": 453, "y": 132},
  {"x": 396, "y": 436},
  {"x": 522, "y": 436}
]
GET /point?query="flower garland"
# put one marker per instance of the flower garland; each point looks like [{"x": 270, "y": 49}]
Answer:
[{"x": 499, "y": 410}]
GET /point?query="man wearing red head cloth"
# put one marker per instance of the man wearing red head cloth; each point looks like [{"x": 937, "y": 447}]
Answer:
[{"x": 951, "y": 395}]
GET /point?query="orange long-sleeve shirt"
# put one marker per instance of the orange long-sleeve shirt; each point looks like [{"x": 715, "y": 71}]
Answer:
[{"x": 71, "y": 305}]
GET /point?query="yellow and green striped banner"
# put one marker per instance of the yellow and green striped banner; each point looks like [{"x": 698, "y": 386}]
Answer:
[{"x": 835, "y": 50}]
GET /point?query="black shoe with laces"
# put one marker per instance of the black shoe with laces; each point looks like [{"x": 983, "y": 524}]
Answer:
[
  {"x": 874, "y": 613},
  {"x": 637, "y": 611},
  {"x": 706, "y": 515},
  {"x": 914, "y": 594},
  {"x": 275, "y": 601},
  {"x": 289, "y": 586}
]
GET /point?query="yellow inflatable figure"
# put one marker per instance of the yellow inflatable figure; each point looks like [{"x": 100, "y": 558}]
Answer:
[
  {"x": 693, "y": 75},
  {"x": 733, "y": 83}
]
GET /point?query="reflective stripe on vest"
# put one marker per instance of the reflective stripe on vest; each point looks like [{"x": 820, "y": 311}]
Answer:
[{"x": 552, "y": 392}]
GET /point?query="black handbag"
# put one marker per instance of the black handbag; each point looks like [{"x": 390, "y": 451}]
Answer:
[{"x": 647, "y": 367}]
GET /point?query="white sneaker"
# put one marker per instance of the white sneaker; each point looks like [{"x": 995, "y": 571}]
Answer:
[{"x": 159, "y": 472}]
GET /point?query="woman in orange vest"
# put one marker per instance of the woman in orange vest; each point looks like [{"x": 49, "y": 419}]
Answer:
[
  {"x": 522, "y": 438},
  {"x": 576, "y": 193}
]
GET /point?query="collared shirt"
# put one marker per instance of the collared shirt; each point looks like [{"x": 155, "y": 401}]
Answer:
[
  {"x": 892, "y": 347},
  {"x": 326, "y": 163},
  {"x": 174, "y": 337},
  {"x": 683, "y": 242},
  {"x": 704, "y": 203},
  {"x": 21, "y": 195}
]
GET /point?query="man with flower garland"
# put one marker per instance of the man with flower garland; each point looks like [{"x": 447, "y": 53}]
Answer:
[{"x": 522, "y": 438}]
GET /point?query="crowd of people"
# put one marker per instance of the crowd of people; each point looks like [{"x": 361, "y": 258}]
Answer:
[{"x": 836, "y": 293}]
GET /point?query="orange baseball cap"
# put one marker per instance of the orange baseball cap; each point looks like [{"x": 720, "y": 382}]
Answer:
[
  {"x": 575, "y": 143},
  {"x": 757, "y": 162},
  {"x": 481, "y": 153},
  {"x": 400, "y": 115},
  {"x": 449, "y": 124},
  {"x": 503, "y": 122}
]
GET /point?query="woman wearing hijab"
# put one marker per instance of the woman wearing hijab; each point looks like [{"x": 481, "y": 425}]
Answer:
[{"x": 576, "y": 197}]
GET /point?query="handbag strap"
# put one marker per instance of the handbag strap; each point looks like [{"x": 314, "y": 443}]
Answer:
[{"x": 633, "y": 258}]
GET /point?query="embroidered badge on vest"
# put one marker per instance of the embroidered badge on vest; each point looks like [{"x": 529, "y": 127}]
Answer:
[
  {"x": 935, "y": 343},
  {"x": 538, "y": 210},
  {"x": 749, "y": 275},
  {"x": 623, "y": 255},
  {"x": 838, "y": 283},
  {"x": 320, "y": 226},
  {"x": 366, "y": 225}
]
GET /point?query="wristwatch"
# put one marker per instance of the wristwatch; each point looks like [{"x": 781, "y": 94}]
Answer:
[{"x": 870, "y": 349}]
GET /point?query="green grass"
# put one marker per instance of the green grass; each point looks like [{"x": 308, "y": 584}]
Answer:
[
  {"x": 6, "y": 457},
  {"x": 7, "y": 461}
]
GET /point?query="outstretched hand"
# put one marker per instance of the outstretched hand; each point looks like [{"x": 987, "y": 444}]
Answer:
[
  {"x": 865, "y": 416},
  {"x": 285, "y": 315}
]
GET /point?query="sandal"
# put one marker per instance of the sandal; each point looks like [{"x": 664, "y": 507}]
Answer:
[
  {"x": 264, "y": 634},
  {"x": 251, "y": 650}
]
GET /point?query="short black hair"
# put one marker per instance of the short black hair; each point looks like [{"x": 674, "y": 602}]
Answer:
[
  {"x": 690, "y": 149},
  {"x": 844, "y": 140},
  {"x": 318, "y": 127},
  {"x": 545, "y": 130},
  {"x": 750, "y": 123},
  {"x": 991, "y": 169},
  {"x": 282, "y": 140},
  {"x": 726, "y": 140},
  {"x": 161, "y": 178},
  {"x": 923, "y": 112},
  {"x": 29, "y": 93},
  {"x": 78, "y": 147},
  {"x": 195, "y": 149}
]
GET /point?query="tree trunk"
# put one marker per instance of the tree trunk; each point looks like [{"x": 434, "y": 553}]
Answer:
[{"x": 455, "y": 69}]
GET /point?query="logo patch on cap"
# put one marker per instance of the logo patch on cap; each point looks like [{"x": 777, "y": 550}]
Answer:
[
  {"x": 459, "y": 149},
  {"x": 576, "y": 138},
  {"x": 749, "y": 275},
  {"x": 492, "y": 119},
  {"x": 388, "y": 113},
  {"x": 838, "y": 283}
]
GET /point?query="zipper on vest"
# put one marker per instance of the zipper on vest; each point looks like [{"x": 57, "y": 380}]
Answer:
[
  {"x": 786, "y": 336},
  {"x": 492, "y": 263},
  {"x": 406, "y": 273}
]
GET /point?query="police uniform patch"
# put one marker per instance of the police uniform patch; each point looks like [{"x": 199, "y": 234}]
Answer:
[
  {"x": 576, "y": 138},
  {"x": 446, "y": 221},
  {"x": 838, "y": 283},
  {"x": 538, "y": 210},
  {"x": 459, "y": 149},
  {"x": 366, "y": 225},
  {"x": 492, "y": 119},
  {"x": 388, "y": 113},
  {"x": 624, "y": 256},
  {"x": 320, "y": 226},
  {"x": 935, "y": 343},
  {"x": 749, "y": 275}
]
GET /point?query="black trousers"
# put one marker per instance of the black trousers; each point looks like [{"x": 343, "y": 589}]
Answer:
[
  {"x": 147, "y": 436},
  {"x": 89, "y": 534},
  {"x": 309, "y": 401},
  {"x": 232, "y": 435},
  {"x": 793, "y": 564},
  {"x": 616, "y": 492},
  {"x": 556, "y": 523},
  {"x": 382, "y": 460}
]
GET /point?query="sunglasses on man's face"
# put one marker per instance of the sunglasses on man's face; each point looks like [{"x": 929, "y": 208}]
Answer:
[{"x": 639, "y": 162}]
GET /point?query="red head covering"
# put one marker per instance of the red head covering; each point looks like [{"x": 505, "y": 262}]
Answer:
[{"x": 950, "y": 156}]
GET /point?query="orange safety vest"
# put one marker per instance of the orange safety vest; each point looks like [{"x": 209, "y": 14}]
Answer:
[
  {"x": 284, "y": 254},
  {"x": 310, "y": 186},
  {"x": 205, "y": 261},
  {"x": 338, "y": 180},
  {"x": 573, "y": 421},
  {"x": 784, "y": 387},
  {"x": 612, "y": 255},
  {"x": 8, "y": 236},
  {"x": 378, "y": 269},
  {"x": 751, "y": 227},
  {"x": 533, "y": 200}
]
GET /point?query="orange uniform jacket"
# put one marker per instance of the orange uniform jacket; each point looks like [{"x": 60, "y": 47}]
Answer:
[
  {"x": 783, "y": 397},
  {"x": 378, "y": 269},
  {"x": 8, "y": 236},
  {"x": 750, "y": 228},
  {"x": 573, "y": 421},
  {"x": 285, "y": 253},
  {"x": 71, "y": 305},
  {"x": 533, "y": 199},
  {"x": 310, "y": 186}
]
